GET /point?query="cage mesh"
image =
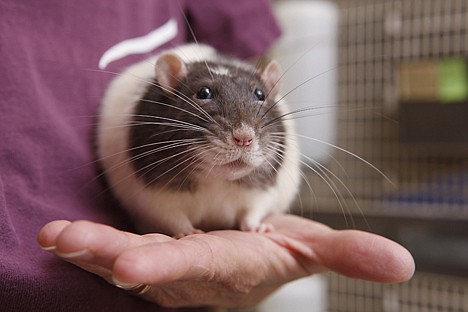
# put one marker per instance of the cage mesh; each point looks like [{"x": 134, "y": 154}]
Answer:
[
  {"x": 424, "y": 293},
  {"x": 375, "y": 37}
]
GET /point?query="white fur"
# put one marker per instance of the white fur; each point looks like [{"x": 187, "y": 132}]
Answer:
[
  {"x": 221, "y": 70},
  {"x": 217, "y": 203}
]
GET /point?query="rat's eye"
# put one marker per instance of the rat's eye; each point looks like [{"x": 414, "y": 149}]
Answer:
[
  {"x": 204, "y": 93},
  {"x": 259, "y": 95}
]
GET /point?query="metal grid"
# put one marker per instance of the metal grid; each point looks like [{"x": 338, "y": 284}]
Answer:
[
  {"x": 424, "y": 293},
  {"x": 375, "y": 37}
]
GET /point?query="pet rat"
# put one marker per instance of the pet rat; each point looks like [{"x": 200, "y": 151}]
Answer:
[{"x": 191, "y": 141}]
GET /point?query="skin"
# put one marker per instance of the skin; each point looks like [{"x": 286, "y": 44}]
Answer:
[{"x": 225, "y": 268}]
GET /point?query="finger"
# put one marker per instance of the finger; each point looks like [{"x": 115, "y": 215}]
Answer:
[
  {"x": 93, "y": 247},
  {"x": 49, "y": 233},
  {"x": 202, "y": 257},
  {"x": 163, "y": 262},
  {"x": 352, "y": 253},
  {"x": 366, "y": 256},
  {"x": 217, "y": 268}
]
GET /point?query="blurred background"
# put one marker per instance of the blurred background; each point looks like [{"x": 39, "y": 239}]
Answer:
[{"x": 389, "y": 83}]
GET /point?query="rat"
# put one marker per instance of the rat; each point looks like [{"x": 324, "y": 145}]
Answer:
[{"x": 191, "y": 140}]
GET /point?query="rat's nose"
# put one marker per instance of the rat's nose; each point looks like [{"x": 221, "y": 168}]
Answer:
[{"x": 243, "y": 136}]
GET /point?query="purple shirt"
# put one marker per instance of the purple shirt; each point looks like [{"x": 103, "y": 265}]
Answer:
[{"x": 49, "y": 93}]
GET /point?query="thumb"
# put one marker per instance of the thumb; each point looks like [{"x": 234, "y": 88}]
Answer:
[
  {"x": 353, "y": 253},
  {"x": 366, "y": 256}
]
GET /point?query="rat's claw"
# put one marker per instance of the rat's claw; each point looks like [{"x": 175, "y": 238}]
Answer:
[
  {"x": 259, "y": 228},
  {"x": 193, "y": 231},
  {"x": 264, "y": 228}
]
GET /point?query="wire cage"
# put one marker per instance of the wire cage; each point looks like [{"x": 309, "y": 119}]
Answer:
[
  {"x": 409, "y": 157},
  {"x": 425, "y": 292},
  {"x": 402, "y": 154}
]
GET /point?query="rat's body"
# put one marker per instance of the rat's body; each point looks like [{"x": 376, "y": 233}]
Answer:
[{"x": 196, "y": 142}]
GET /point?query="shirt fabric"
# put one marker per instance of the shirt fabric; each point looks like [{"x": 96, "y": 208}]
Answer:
[{"x": 49, "y": 96}]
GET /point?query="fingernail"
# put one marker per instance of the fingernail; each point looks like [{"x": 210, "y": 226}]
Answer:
[
  {"x": 48, "y": 248},
  {"x": 71, "y": 255},
  {"x": 124, "y": 285}
]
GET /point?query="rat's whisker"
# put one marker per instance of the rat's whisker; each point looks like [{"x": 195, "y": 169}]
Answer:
[
  {"x": 170, "y": 122},
  {"x": 175, "y": 107},
  {"x": 147, "y": 168},
  {"x": 300, "y": 110},
  {"x": 349, "y": 153},
  {"x": 297, "y": 87},
  {"x": 192, "y": 159}
]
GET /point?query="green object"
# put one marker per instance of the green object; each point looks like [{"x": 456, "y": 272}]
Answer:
[{"x": 453, "y": 80}]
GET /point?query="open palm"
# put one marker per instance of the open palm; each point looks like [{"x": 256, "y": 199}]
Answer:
[{"x": 225, "y": 268}]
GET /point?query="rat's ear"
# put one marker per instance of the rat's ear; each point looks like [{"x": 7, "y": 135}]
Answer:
[
  {"x": 170, "y": 70},
  {"x": 271, "y": 76}
]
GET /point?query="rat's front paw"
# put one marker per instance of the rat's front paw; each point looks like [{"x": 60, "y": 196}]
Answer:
[
  {"x": 257, "y": 228},
  {"x": 188, "y": 232}
]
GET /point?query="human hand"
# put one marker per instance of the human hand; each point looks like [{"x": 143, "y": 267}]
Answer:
[{"x": 225, "y": 268}]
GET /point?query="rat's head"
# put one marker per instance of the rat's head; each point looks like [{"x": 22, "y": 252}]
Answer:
[{"x": 226, "y": 112}]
